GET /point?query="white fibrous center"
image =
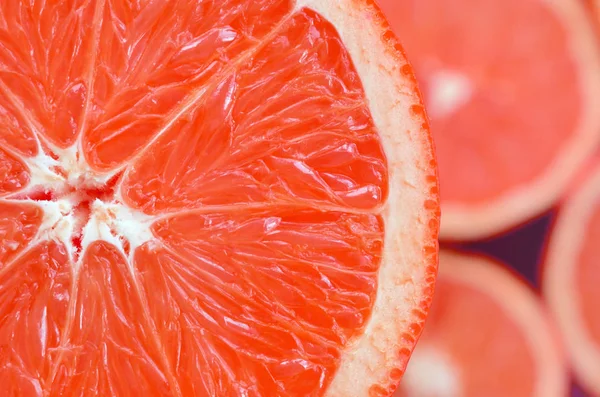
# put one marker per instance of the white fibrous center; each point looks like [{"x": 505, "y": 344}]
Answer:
[
  {"x": 430, "y": 374},
  {"x": 447, "y": 92},
  {"x": 81, "y": 206}
]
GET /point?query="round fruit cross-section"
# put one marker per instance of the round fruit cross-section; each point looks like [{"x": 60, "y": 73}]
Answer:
[
  {"x": 513, "y": 91},
  {"x": 210, "y": 198},
  {"x": 571, "y": 277},
  {"x": 486, "y": 335}
]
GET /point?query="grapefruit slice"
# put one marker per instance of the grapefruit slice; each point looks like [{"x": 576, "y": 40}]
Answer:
[
  {"x": 486, "y": 335},
  {"x": 570, "y": 279},
  {"x": 200, "y": 198},
  {"x": 513, "y": 90}
]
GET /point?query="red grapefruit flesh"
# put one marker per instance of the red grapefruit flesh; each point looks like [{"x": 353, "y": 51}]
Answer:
[
  {"x": 487, "y": 335},
  {"x": 199, "y": 198},
  {"x": 513, "y": 91},
  {"x": 571, "y": 275}
]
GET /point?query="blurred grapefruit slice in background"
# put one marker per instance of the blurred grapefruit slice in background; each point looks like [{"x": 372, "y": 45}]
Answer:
[
  {"x": 571, "y": 276},
  {"x": 487, "y": 335},
  {"x": 200, "y": 198},
  {"x": 513, "y": 91}
]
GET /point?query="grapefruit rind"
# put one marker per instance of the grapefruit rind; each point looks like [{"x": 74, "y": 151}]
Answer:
[
  {"x": 409, "y": 265},
  {"x": 559, "y": 284},
  {"x": 470, "y": 221}
]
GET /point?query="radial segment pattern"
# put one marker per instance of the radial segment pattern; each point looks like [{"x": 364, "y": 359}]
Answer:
[{"x": 190, "y": 198}]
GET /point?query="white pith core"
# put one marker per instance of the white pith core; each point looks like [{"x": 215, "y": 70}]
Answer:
[
  {"x": 79, "y": 172},
  {"x": 430, "y": 374},
  {"x": 448, "y": 91},
  {"x": 75, "y": 216}
]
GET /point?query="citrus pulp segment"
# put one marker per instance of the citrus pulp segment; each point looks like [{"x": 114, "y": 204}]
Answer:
[
  {"x": 35, "y": 301},
  {"x": 512, "y": 89},
  {"x": 18, "y": 225},
  {"x": 210, "y": 198},
  {"x": 570, "y": 277},
  {"x": 14, "y": 173},
  {"x": 487, "y": 334}
]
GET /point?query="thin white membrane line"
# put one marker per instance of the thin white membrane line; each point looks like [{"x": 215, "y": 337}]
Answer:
[
  {"x": 40, "y": 166},
  {"x": 198, "y": 95},
  {"x": 126, "y": 166},
  {"x": 283, "y": 205},
  {"x": 90, "y": 80},
  {"x": 11, "y": 200}
]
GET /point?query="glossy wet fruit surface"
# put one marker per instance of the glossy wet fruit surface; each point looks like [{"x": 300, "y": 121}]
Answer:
[{"x": 201, "y": 198}]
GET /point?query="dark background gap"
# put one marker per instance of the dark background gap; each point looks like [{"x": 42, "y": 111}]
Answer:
[{"x": 522, "y": 249}]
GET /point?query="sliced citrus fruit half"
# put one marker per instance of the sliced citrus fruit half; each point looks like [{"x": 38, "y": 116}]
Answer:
[
  {"x": 513, "y": 91},
  {"x": 571, "y": 275},
  {"x": 200, "y": 198},
  {"x": 487, "y": 334}
]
